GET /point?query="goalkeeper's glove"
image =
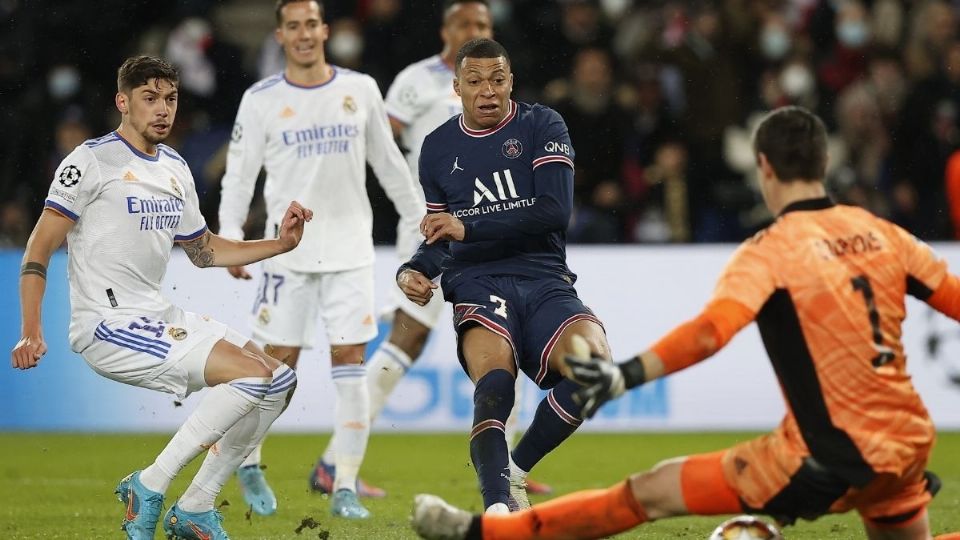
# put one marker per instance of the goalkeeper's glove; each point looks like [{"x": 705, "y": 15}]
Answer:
[{"x": 602, "y": 381}]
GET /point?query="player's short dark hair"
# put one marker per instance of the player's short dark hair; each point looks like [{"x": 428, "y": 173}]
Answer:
[
  {"x": 480, "y": 48},
  {"x": 795, "y": 143},
  {"x": 447, "y": 4},
  {"x": 278, "y": 11},
  {"x": 137, "y": 70}
]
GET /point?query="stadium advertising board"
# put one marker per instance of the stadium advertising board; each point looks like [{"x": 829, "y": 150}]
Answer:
[{"x": 639, "y": 293}]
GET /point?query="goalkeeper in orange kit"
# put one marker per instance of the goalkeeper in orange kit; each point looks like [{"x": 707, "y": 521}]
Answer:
[{"x": 826, "y": 285}]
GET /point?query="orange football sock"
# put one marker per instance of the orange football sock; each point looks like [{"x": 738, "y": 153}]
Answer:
[
  {"x": 948, "y": 536},
  {"x": 595, "y": 513}
]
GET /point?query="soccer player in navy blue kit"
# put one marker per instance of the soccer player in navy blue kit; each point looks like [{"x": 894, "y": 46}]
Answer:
[{"x": 498, "y": 182}]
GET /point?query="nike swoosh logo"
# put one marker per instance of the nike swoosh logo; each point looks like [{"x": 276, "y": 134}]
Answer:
[
  {"x": 198, "y": 531},
  {"x": 131, "y": 515}
]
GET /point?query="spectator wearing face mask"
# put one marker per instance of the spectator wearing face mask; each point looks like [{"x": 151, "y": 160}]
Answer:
[
  {"x": 345, "y": 45},
  {"x": 847, "y": 62}
]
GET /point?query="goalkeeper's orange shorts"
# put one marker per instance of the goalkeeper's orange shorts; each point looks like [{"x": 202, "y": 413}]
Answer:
[{"x": 772, "y": 476}]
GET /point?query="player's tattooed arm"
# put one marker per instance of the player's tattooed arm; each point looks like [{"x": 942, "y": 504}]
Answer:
[
  {"x": 33, "y": 269},
  {"x": 199, "y": 250}
]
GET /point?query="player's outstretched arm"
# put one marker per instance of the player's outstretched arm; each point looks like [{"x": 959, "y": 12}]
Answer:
[
  {"x": 685, "y": 345},
  {"x": 212, "y": 250},
  {"x": 946, "y": 297},
  {"x": 48, "y": 235}
]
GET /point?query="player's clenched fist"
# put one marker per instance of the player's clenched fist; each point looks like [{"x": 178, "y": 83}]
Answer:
[
  {"x": 291, "y": 228},
  {"x": 28, "y": 351},
  {"x": 442, "y": 226},
  {"x": 416, "y": 286}
]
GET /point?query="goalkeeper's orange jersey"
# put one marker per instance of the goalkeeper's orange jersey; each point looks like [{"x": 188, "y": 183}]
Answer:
[{"x": 826, "y": 285}]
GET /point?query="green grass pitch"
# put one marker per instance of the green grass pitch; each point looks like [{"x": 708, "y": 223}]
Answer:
[{"x": 61, "y": 485}]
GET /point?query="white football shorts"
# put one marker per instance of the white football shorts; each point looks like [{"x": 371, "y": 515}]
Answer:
[
  {"x": 289, "y": 303},
  {"x": 165, "y": 355},
  {"x": 427, "y": 315}
]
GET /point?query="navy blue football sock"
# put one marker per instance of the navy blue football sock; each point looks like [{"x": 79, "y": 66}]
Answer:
[
  {"x": 492, "y": 401},
  {"x": 558, "y": 416}
]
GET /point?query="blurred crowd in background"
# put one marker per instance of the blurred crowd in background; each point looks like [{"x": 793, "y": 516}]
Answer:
[{"x": 660, "y": 97}]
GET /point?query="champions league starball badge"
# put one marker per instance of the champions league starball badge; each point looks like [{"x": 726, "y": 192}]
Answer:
[
  {"x": 512, "y": 148},
  {"x": 70, "y": 176}
]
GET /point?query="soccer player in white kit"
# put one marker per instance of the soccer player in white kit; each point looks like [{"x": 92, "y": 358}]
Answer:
[
  {"x": 122, "y": 201},
  {"x": 313, "y": 128}
]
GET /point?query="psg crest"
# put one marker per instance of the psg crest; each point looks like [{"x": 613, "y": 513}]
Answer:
[{"x": 512, "y": 148}]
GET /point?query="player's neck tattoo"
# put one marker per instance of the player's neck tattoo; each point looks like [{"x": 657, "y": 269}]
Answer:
[{"x": 33, "y": 269}]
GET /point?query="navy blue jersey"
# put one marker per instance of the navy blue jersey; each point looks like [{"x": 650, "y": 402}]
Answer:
[{"x": 511, "y": 185}]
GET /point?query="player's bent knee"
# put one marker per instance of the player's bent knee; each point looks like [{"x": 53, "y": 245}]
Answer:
[
  {"x": 227, "y": 362},
  {"x": 256, "y": 367},
  {"x": 408, "y": 334},
  {"x": 271, "y": 361},
  {"x": 345, "y": 355},
  {"x": 659, "y": 490},
  {"x": 287, "y": 355}
]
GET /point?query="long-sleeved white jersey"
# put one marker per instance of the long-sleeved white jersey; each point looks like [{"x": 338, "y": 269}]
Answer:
[
  {"x": 129, "y": 209},
  {"x": 314, "y": 142},
  {"x": 422, "y": 98}
]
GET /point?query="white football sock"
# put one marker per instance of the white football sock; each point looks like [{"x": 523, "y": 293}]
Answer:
[
  {"x": 222, "y": 460},
  {"x": 254, "y": 458},
  {"x": 223, "y": 406},
  {"x": 330, "y": 453},
  {"x": 351, "y": 426},
  {"x": 510, "y": 427},
  {"x": 384, "y": 370}
]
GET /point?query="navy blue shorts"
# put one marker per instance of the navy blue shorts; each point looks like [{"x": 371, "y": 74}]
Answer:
[{"x": 530, "y": 314}]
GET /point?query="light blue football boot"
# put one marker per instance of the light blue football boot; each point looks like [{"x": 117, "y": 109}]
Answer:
[
  {"x": 346, "y": 505},
  {"x": 143, "y": 507},
  {"x": 181, "y": 525},
  {"x": 256, "y": 491}
]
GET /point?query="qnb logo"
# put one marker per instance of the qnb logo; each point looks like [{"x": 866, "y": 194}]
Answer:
[
  {"x": 483, "y": 193},
  {"x": 558, "y": 147}
]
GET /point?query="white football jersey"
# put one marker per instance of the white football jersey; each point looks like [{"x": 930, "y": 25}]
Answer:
[
  {"x": 128, "y": 208},
  {"x": 314, "y": 142},
  {"x": 422, "y": 98}
]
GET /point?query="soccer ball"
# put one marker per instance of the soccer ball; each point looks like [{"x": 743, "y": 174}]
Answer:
[{"x": 745, "y": 528}]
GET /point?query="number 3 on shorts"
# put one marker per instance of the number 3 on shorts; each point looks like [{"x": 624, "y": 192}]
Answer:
[{"x": 502, "y": 310}]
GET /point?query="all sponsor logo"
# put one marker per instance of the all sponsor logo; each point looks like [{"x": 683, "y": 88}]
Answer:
[{"x": 504, "y": 191}]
